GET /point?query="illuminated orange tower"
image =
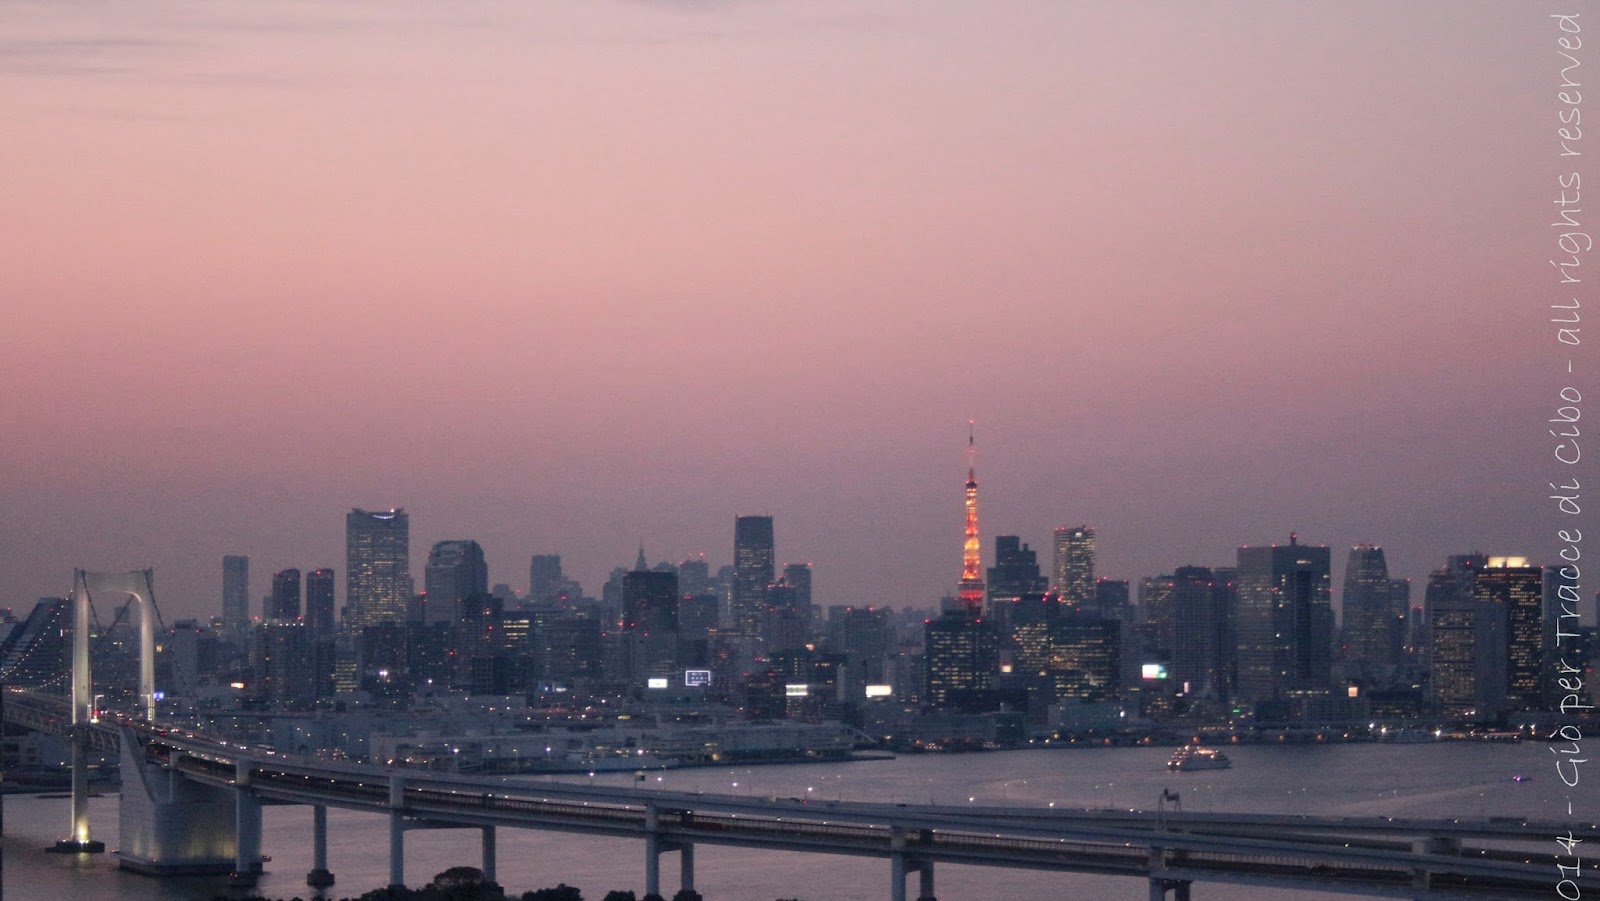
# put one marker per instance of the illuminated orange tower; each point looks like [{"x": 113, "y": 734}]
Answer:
[{"x": 971, "y": 588}]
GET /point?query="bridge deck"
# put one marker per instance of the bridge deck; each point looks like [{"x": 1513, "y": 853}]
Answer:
[{"x": 1373, "y": 856}]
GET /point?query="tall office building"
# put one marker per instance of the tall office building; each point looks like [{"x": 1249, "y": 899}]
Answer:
[
  {"x": 754, "y": 564},
  {"x": 1072, "y": 576},
  {"x": 1284, "y": 622},
  {"x": 1110, "y": 598},
  {"x": 283, "y": 605},
  {"x": 1085, "y": 658},
  {"x": 544, "y": 578},
  {"x": 1199, "y": 633},
  {"x": 1156, "y": 611},
  {"x": 320, "y": 604},
  {"x": 864, "y": 636},
  {"x": 962, "y": 655},
  {"x": 1513, "y": 592},
  {"x": 1400, "y": 603},
  {"x": 970, "y": 590},
  {"x": 456, "y": 571},
  {"x": 236, "y": 594},
  {"x": 1015, "y": 571},
  {"x": 378, "y": 583},
  {"x": 797, "y": 578},
  {"x": 1372, "y": 625},
  {"x": 1457, "y": 628},
  {"x": 285, "y": 665},
  {"x": 694, "y": 576},
  {"x": 650, "y": 602}
]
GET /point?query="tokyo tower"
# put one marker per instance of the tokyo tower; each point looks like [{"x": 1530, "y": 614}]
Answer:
[{"x": 971, "y": 588}]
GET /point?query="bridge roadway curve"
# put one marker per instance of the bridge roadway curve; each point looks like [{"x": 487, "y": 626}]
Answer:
[{"x": 1371, "y": 856}]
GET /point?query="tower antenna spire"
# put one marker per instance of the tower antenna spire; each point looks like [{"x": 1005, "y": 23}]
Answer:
[{"x": 971, "y": 589}]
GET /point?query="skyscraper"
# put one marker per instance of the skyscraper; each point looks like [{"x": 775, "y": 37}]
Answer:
[
  {"x": 754, "y": 565},
  {"x": 970, "y": 589},
  {"x": 377, "y": 566},
  {"x": 962, "y": 655},
  {"x": 235, "y": 594},
  {"x": 1284, "y": 622},
  {"x": 1513, "y": 591},
  {"x": 284, "y": 602},
  {"x": 544, "y": 578},
  {"x": 650, "y": 602},
  {"x": 1457, "y": 628},
  {"x": 1199, "y": 631},
  {"x": 456, "y": 571},
  {"x": 1371, "y": 622},
  {"x": 694, "y": 576},
  {"x": 1015, "y": 571},
  {"x": 320, "y": 604},
  {"x": 797, "y": 578},
  {"x": 1072, "y": 576}
]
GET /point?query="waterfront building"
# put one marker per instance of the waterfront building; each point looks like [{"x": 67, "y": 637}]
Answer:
[
  {"x": 1284, "y": 623},
  {"x": 1372, "y": 623}
]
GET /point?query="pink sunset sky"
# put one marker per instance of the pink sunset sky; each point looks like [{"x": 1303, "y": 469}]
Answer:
[{"x": 562, "y": 276}]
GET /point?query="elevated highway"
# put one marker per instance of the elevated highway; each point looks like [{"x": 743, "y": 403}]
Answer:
[{"x": 185, "y": 774}]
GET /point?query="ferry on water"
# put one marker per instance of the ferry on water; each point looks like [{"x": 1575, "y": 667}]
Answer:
[{"x": 1194, "y": 757}]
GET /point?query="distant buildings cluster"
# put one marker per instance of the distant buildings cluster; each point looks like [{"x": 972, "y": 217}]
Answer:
[{"x": 1255, "y": 638}]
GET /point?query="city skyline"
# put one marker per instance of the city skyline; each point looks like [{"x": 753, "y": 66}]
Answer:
[{"x": 557, "y": 279}]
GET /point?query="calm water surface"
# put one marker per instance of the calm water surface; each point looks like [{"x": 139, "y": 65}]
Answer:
[{"x": 1430, "y": 780}]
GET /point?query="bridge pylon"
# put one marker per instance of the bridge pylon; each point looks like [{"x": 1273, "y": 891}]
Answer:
[{"x": 139, "y": 586}]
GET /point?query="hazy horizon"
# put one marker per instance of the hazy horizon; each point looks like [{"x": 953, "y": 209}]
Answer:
[{"x": 564, "y": 277}]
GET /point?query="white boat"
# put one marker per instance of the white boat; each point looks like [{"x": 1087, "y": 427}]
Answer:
[{"x": 1194, "y": 757}]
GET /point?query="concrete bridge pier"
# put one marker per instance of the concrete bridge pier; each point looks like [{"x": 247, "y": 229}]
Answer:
[
  {"x": 170, "y": 825},
  {"x": 925, "y": 881},
  {"x": 686, "y": 866},
  {"x": 657, "y": 844},
  {"x": 397, "y": 832},
  {"x": 319, "y": 877},
  {"x": 247, "y": 829},
  {"x": 903, "y": 864},
  {"x": 489, "y": 856},
  {"x": 1159, "y": 888},
  {"x": 652, "y": 851},
  {"x": 1422, "y": 877}
]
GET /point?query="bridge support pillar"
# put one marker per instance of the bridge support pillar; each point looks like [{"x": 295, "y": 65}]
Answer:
[
  {"x": 1159, "y": 887},
  {"x": 1422, "y": 877},
  {"x": 79, "y": 842},
  {"x": 686, "y": 866},
  {"x": 397, "y": 850},
  {"x": 319, "y": 877},
  {"x": 247, "y": 829},
  {"x": 900, "y": 866},
  {"x": 652, "y": 851},
  {"x": 397, "y": 832},
  {"x": 489, "y": 855}
]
